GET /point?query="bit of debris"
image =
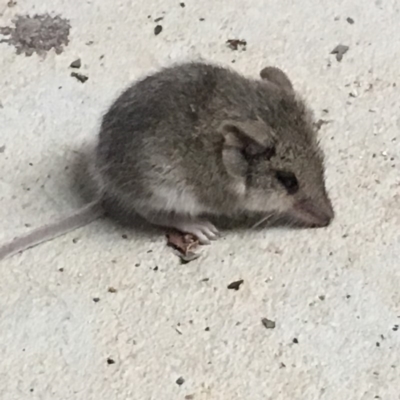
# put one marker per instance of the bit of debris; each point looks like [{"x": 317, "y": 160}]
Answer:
[
  {"x": 321, "y": 122},
  {"x": 158, "y": 19},
  {"x": 76, "y": 64},
  {"x": 201, "y": 19},
  {"x": 234, "y": 44},
  {"x": 268, "y": 323},
  {"x": 178, "y": 331},
  {"x": 158, "y": 29},
  {"x": 124, "y": 236},
  {"x": 112, "y": 290},
  {"x": 75, "y": 240},
  {"x": 350, "y": 20},
  {"x": 110, "y": 361},
  {"x": 295, "y": 340},
  {"x": 182, "y": 5},
  {"x": 38, "y": 34},
  {"x": 235, "y": 285},
  {"x": 61, "y": 269},
  {"x": 96, "y": 299},
  {"x": 180, "y": 381},
  {"x": 2, "y": 149},
  {"x": 395, "y": 328},
  {"x": 185, "y": 245},
  {"x": 79, "y": 77},
  {"x": 340, "y": 50},
  {"x": 322, "y": 297},
  {"x": 207, "y": 329}
]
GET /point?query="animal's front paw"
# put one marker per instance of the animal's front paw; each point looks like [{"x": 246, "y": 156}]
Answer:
[{"x": 203, "y": 230}]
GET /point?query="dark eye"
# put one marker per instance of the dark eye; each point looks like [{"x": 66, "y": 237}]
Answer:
[
  {"x": 269, "y": 152},
  {"x": 288, "y": 180}
]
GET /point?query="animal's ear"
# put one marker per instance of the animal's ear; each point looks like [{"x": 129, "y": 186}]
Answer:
[
  {"x": 278, "y": 77},
  {"x": 244, "y": 141}
]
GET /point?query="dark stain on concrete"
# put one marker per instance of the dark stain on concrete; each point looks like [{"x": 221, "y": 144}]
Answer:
[{"x": 38, "y": 34}]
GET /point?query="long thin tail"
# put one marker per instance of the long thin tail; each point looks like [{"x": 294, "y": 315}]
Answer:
[{"x": 82, "y": 217}]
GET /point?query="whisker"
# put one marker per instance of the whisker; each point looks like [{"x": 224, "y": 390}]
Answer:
[{"x": 267, "y": 218}]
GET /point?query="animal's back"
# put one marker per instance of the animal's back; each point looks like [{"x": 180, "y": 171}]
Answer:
[{"x": 162, "y": 131}]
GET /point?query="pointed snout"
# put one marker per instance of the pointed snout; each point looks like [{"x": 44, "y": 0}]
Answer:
[
  {"x": 314, "y": 214},
  {"x": 325, "y": 214}
]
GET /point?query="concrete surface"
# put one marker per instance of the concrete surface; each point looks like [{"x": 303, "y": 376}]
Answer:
[{"x": 335, "y": 290}]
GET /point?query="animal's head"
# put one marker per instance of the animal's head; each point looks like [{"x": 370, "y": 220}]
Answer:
[{"x": 276, "y": 159}]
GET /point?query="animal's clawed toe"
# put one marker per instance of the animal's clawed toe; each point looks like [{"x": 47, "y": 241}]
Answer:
[{"x": 203, "y": 230}]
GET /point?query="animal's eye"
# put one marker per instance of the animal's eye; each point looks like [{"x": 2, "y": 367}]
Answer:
[
  {"x": 288, "y": 180},
  {"x": 269, "y": 152}
]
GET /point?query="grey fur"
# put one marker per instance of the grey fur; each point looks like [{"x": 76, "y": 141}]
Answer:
[
  {"x": 196, "y": 139},
  {"x": 176, "y": 128}
]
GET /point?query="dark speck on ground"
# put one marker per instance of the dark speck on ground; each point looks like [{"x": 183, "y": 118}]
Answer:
[
  {"x": 339, "y": 51},
  {"x": 80, "y": 77},
  {"x": 234, "y": 44},
  {"x": 235, "y": 285},
  {"x": 268, "y": 323},
  {"x": 180, "y": 381},
  {"x": 76, "y": 64},
  {"x": 158, "y": 29}
]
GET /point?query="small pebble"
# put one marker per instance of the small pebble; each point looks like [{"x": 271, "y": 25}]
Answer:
[
  {"x": 180, "y": 381},
  {"x": 110, "y": 361},
  {"x": 76, "y": 64},
  {"x": 235, "y": 285},
  {"x": 268, "y": 323},
  {"x": 158, "y": 29},
  {"x": 81, "y": 78},
  {"x": 339, "y": 51}
]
